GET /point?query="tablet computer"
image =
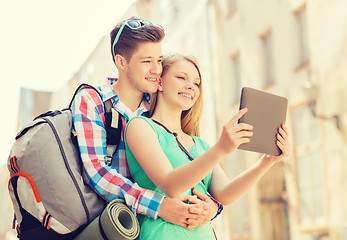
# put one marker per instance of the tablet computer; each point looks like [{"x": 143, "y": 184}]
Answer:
[{"x": 266, "y": 113}]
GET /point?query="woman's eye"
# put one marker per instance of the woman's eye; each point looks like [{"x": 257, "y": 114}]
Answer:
[
  {"x": 179, "y": 77},
  {"x": 197, "y": 84}
]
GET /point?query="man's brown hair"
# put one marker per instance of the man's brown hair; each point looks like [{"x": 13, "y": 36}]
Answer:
[{"x": 130, "y": 38}]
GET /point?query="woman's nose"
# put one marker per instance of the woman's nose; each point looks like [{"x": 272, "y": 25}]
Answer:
[{"x": 190, "y": 85}]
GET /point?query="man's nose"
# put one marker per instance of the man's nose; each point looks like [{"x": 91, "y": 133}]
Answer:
[{"x": 156, "y": 68}]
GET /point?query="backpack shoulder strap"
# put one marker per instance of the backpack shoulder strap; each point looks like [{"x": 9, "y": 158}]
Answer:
[
  {"x": 113, "y": 123},
  {"x": 113, "y": 130},
  {"x": 83, "y": 86}
]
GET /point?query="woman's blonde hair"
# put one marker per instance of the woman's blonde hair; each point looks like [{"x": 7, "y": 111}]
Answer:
[{"x": 190, "y": 119}]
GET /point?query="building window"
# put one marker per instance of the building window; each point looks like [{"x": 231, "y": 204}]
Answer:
[
  {"x": 309, "y": 167},
  {"x": 238, "y": 210},
  {"x": 302, "y": 53},
  {"x": 231, "y": 6},
  {"x": 267, "y": 59},
  {"x": 236, "y": 78}
]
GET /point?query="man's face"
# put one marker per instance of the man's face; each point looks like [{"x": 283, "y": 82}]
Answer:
[{"x": 144, "y": 68}]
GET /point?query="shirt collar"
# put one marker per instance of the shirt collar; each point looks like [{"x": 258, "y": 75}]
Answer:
[{"x": 108, "y": 92}]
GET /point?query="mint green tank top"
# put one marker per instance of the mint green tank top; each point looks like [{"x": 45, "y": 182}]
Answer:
[{"x": 160, "y": 229}]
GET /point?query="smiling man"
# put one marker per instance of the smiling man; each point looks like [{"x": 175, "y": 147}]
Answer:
[{"x": 137, "y": 54}]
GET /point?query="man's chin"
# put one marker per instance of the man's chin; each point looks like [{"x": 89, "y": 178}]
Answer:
[{"x": 151, "y": 89}]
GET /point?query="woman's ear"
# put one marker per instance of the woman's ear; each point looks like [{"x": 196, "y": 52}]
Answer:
[
  {"x": 160, "y": 86},
  {"x": 120, "y": 62}
]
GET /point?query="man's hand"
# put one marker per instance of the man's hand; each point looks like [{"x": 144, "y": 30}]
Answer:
[
  {"x": 176, "y": 211},
  {"x": 210, "y": 206},
  {"x": 189, "y": 216}
]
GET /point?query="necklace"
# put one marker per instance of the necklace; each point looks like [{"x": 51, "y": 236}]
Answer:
[
  {"x": 179, "y": 144},
  {"x": 186, "y": 152}
]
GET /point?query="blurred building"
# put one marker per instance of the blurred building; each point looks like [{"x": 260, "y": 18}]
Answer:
[
  {"x": 293, "y": 48},
  {"x": 31, "y": 104},
  {"x": 96, "y": 68},
  {"x": 297, "y": 49}
]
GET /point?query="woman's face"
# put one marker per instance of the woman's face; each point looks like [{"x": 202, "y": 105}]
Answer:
[{"x": 180, "y": 84}]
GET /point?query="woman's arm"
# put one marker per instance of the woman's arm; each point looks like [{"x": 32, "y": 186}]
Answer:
[
  {"x": 144, "y": 145},
  {"x": 227, "y": 192}
]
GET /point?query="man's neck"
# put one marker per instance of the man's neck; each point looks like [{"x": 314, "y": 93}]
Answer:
[{"x": 129, "y": 96}]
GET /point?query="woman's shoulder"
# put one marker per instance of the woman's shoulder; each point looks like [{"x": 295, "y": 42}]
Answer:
[
  {"x": 142, "y": 126},
  {"x": 141, "y": 121}
]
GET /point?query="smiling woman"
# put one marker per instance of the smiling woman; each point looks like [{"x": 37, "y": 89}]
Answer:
[
  {"x": 184, "y": 163},
  {"x": 190, "y": 118}
]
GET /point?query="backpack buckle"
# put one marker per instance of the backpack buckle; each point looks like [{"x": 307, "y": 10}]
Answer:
[{"x": 108, "y": 160}]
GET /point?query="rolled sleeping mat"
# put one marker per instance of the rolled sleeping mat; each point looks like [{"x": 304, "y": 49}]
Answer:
[{"x": 116, "y": 222}]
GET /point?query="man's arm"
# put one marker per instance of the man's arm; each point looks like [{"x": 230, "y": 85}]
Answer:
[{"x": 89, "y": 122}]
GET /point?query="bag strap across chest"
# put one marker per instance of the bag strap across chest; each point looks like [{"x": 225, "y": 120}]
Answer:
[{"x": 179, "y": 144}]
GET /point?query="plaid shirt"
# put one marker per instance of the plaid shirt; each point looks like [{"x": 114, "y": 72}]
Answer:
[{"x": 111, "y": 182}]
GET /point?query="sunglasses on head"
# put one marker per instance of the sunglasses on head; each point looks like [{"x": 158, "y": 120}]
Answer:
[{"x": 132, "y": 24}]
